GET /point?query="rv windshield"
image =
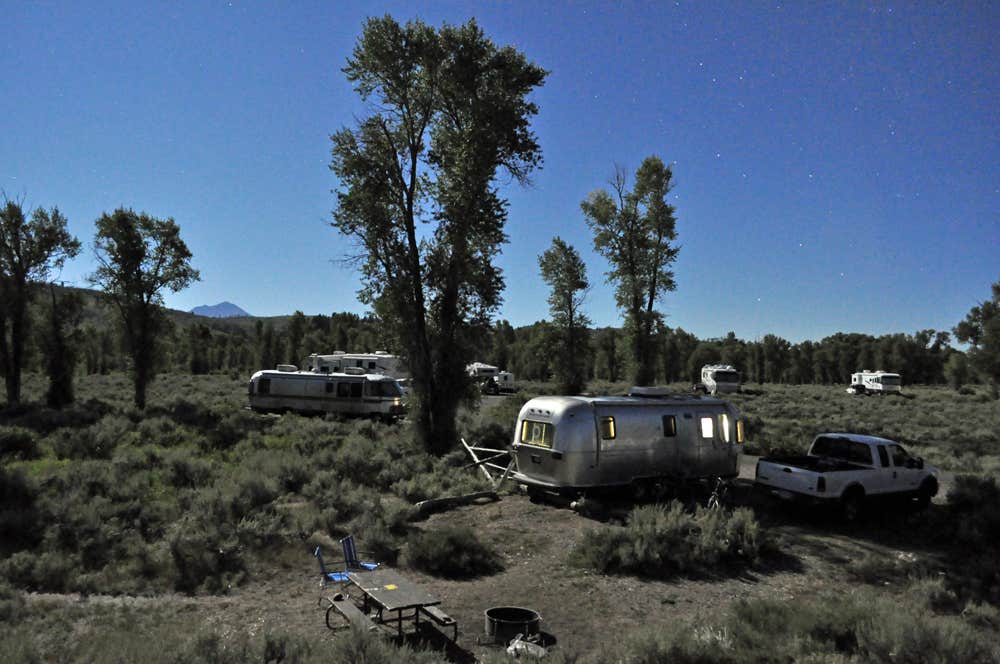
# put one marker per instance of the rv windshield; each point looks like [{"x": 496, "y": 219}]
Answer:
[
  {"x": 385, "y": 388},
  {"x": 726, "y": 377}
]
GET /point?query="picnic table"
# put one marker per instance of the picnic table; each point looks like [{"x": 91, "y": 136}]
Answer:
[{"x": 388, "y": 591}]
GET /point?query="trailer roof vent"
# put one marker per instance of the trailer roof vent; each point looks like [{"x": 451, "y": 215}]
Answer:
[
  {"x": 287, "y": 367},
  {"x": 649, "y": 392}
]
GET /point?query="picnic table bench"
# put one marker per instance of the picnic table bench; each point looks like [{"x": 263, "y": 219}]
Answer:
[{"x": 343, "y": 605}]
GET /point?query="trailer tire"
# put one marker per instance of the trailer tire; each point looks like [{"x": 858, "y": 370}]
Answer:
[{"x": 851, "y": 503}]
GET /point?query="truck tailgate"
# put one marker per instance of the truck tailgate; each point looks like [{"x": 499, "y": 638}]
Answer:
[{"x": 786, "y": 478}]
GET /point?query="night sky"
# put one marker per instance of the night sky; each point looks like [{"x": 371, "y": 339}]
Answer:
[{"x": 835, "y": 164}]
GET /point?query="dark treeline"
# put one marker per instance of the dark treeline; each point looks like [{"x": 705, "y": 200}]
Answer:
[
  {"x": 194, "y": 344},
  {"x": 199, "y": 345},
  {"x": 924, "y": 357}
]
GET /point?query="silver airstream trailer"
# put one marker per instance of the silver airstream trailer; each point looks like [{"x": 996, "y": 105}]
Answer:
[
  {"x": 349, "y": 393},
  {"x": 573, "y": 444}
]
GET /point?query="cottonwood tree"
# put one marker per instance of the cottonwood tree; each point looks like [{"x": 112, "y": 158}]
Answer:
[
  {"x": 448, "y": 111},
  {"x": 138, "y": 257},
  {"x": 60, "y": 340},
  {"x": 981, "y": 330},
  {"x": 30, "y": 249},
  {"x": 566, "y": 274},
  {"x": 634, "y": 231}
]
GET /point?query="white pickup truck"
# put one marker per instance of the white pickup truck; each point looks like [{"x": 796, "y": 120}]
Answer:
[{"x": 845, "y": 469}]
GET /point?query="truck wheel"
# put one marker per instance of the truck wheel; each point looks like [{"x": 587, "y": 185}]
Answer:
[
  {"x": 850, "y": 504},
  {"x": 926, "y": 491}
]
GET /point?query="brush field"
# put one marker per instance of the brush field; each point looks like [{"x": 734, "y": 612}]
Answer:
[{"x": 185, "y": 534}]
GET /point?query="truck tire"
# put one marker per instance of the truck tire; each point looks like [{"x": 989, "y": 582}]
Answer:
[
  {"x": 928, "y": 489},
  {"x": 851, "y": 503}
]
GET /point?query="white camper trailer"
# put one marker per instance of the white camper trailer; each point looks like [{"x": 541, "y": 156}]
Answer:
[
  {"x": 719, "y": 379},
  {"x": 350, "y": 393},
  {"x": 576, "y": 444},
  {"x": 491, "y": 379},
  {"x": 379, "y": 362},
  {"x": 875, "y": 382}
]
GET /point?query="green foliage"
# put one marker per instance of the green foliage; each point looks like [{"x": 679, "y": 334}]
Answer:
[
  {"x": 981, "y": 329},
  {"x": 566, "y": 274},
  {"x": 634, "y": 230},
  {"x": 17, "y": 443},
  {"x": 453, "y": 553},
  {"x": 138, "y": 257},
  {"x": 30, "y": 249},
  {"x": 450, "y": 110},
  {"x": 661, "y": 541}
]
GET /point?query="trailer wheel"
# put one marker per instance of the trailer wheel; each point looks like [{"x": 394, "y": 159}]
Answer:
[{"x": 850, "y": 504}]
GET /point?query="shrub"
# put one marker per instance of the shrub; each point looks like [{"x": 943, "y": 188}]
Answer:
[
  {"x": 19, "y": 517},
  {"x": 18, "y": 443},
  {"x": 11, "y": 604},
  {"x": 664, "y": 540},
  {"x": 452, "y": 553}
]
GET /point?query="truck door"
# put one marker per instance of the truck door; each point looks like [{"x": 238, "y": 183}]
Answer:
[{"x": 906, "y": 476}]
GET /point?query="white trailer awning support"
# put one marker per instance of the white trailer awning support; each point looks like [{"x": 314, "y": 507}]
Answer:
[{"x": 489, "y": 462}]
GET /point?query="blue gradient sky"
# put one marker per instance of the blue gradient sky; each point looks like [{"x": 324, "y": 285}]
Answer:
[{"x": 836, "y": 165}]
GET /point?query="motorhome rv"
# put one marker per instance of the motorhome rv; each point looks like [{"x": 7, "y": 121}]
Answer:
[
  {"x": 719, "y": 379},
  {"x": 573, "y": 444},
  {"x": 875, "y": 382},
  {"x": 352, "y": 392},
  {"x": 379, "y": 362}
]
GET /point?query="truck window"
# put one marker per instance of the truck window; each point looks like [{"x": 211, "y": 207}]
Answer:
[
  {"x": 843, "y": 449},
  {"x": 899, "y": 455},
  {"x": 536, "y": 433},
  {"x": 264, "y": 386},
  {"x": 883, "y": 456},
  {"x": 669, "y": 426},
  {"x": 607, "y": 427},
  {"x": 707, "y": 427},
  {"x": 724, "y": 427}
]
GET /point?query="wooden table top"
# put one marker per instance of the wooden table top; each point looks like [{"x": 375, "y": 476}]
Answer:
[{"x": 390, "y": 590}]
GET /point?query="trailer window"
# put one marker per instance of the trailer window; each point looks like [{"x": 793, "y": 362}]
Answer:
[
  {"x": 264, "y": 386},
  {"x": 329, "y": 388},
  {"x": 356, "y": 389},
  {"x": 669, "y": 426},
  {"x": 607, "y": 427},
  {"x": 741, "y": 434},
  {"x": 536, "y": 433},
  {"x": 724, "y": 427},
  {"x": 707, "y": 427}
]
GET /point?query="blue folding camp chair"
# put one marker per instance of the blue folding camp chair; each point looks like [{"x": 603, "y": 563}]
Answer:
[
  {"x": 351, "y": 556},
  {"x": 351, "y": 563}
]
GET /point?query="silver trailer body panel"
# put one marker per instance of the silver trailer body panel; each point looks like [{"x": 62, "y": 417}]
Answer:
[{"x": 568, "y": 443}]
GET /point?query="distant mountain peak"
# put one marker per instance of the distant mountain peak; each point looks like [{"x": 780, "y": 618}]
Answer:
[{"x": 220, "y": 310}]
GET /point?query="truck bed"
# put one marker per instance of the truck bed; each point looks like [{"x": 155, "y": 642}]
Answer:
[{"x": 813, "y": 463}]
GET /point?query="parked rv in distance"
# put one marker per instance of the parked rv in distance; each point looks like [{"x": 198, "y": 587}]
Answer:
[
  {"x": 490, "y": 378},
  {"x": 875, "y": 382},
  {"x": 379, "y": 362},
  {"x": 718, "y": 379},
  {"x": 573, "y": 444},
  {"x": 350, "y": 393}
]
